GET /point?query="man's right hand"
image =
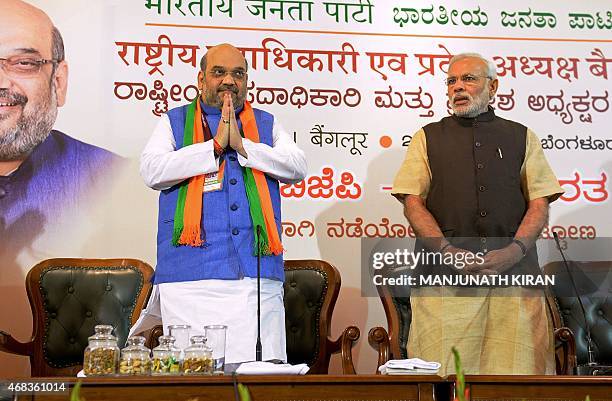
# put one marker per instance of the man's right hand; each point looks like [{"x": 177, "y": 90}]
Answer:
[{"x": 223, "y": 129}]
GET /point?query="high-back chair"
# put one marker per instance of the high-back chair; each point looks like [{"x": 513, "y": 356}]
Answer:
[
  {"x": 391, "y": 344},
  {"x": 68, "y": 298},
  {"x": 567, "y": 313},
  {"x": 311, "y": 290}
]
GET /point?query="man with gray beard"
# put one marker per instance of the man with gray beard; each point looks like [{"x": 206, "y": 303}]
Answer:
[
  {"x": 43, "y": 172},
  {"x": 475, "y": 182}
]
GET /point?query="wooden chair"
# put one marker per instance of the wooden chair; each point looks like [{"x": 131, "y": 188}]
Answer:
[
  {"x": 311, "y": 290},
  {"x": 567, "y": 314},
  {"x": 391, "y": 343},
  {"x": 68, "y": 298}
]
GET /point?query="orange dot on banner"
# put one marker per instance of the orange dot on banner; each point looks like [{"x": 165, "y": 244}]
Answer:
[{"x": 385, "y": 141}]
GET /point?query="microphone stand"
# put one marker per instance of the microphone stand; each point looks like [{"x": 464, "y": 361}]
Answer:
[
  {"x": 258, "y": 344},
  {"x": 590, "y": 351}
]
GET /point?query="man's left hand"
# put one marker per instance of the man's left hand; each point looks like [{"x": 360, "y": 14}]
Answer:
[
  {"x": 498, "y": 261},
  {"x": 235, "y": 139}
]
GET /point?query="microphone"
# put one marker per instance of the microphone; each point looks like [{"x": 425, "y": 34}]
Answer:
[
  {"x": 258, "y": 344},
  {"x": 592, "y": 368}
]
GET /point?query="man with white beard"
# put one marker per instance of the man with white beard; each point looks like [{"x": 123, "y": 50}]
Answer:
[
  {"x": 43, "y": 172},
  {"x": 475, "y": 182}
]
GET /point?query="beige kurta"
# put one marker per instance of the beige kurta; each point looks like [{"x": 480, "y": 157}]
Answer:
[{"x": 500, "y": 330}]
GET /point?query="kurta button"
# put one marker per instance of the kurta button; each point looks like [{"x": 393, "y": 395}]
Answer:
[
  {"x": 294, "y": 329},
  {"x": 293, "y": 284},
  {"x": 108, "y": 287},
  {"x": 235, "y": 231},
  {"x": 234, "y": 207},
  {"x": 233, "y": 181},
  {"x": 2, "y": 192},
  {"x": 483, "y": 213},
  {"x": 483, "y": 240},
  {"x": 481, "y": 188},
  {"x": 88, "y": 313},
  {"x": 232, "y": 158},
  {"x": 600, "y": 312},
  {"x": 53, "y": 315},
  {"x": 477, "y": 144},
  {"x": 310, "y": 304},
  {"x": 480, "y": 166},
  {"x": 72, "y": 340},
  {"x": 70, "y": 290}
]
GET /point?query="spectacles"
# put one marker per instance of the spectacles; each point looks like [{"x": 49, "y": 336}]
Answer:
[
  {"x": 219, "y": 73},
  {"x": 23, "y": 67},
  {"x": 468, "y": 79}
]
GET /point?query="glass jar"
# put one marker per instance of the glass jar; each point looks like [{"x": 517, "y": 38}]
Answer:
[
  {"x": 135, "y": 357},
  {"x": 166, "y": 357},
  {"x": 102, "y": 353},
  {"x": 198, "y": 357}
]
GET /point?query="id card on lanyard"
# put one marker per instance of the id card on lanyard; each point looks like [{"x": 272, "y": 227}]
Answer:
[{"x": 212, "y": 181}]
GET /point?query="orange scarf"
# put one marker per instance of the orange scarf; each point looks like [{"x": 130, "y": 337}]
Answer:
[{"x": 188, "y": 214}]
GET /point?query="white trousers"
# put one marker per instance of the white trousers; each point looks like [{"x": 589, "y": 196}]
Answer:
[{"x": 232, "y": 303}]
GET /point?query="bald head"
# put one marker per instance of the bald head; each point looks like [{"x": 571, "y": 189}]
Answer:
[
  {"x": 222, "y": 49},
  {"x": 20, "y": 19},
  {"x": 26, "y": 10}
]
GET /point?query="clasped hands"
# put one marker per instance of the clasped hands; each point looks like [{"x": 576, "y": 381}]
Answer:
[
  {"x": 227, "y": 131},
  {"x": 492, "y": 263}
]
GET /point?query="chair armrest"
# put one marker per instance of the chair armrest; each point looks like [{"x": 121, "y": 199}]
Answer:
[
  {"x": 12, "y": 346},
  {"x": 565, "y": 337},
  {"x": 379, "y": 340},
  {"x": 349, "y": 338},
  {"x": 152, "y": 336},
  {"x": 344, "y": 343}
]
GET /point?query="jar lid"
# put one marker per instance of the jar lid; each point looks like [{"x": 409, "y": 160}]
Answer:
[
  {"x": 136, "y": 340},
  {"x": 199, "y": 343},
  {"x": 136, "y": 343},
  {"x": 103, "y": 332},
  {"x": 166, "y": 343}
]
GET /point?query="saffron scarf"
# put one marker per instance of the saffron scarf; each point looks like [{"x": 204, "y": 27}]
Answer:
[{"x": 188, "y": 228}]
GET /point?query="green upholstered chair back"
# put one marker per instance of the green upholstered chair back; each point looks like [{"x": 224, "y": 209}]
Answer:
[{"x": 70, "y": 296}]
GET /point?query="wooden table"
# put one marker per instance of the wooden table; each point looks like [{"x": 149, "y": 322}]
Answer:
[
  {"x": 262, "y": 388},
  {"x": 539, "y": 388},
  {"x": 335, "y": 387}
]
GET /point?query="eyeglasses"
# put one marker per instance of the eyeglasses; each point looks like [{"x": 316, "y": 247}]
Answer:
[
  {"x": 23, "y": 67},
  {"x": 468, "y": 79},
  {"x": 220, "y": 73}
]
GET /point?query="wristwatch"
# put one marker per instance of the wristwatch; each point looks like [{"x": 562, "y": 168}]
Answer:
[{"x": 521, "y": 245}]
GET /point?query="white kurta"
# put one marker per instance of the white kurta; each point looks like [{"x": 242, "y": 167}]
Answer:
[
  {"x": 229, "y": 302},
  {"x": 162, "y": 166}
]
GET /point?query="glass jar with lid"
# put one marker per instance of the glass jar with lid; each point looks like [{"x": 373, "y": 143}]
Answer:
[
  {"x": 102, "y": 353},
  {"x": 135, "y": 357},
  {"x": 198, "y": 357},
  {"x": 166, "y": 357}
]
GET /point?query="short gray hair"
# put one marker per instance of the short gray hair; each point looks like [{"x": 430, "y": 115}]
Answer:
[
  {"x": 491, "y": 71},
  {"x": 57, "y": 45}
]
